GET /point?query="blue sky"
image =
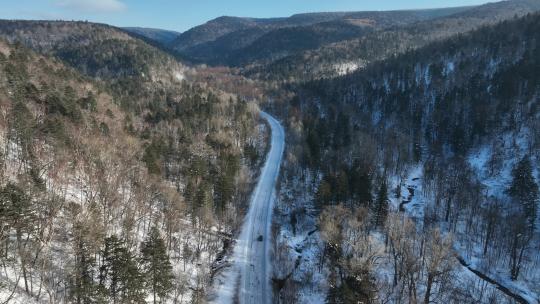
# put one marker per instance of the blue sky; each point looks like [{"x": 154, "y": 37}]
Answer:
[{"x": 181, "y": 15}]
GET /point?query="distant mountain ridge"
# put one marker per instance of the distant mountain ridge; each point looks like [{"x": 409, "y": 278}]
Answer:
[
  {"x": 164, "y": 37},
  {"x": 335, "y": 58},
  {"x": 237, "y": 40}
]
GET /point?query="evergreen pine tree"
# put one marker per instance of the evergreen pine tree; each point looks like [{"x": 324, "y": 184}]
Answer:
[
  {"x": 15, "y": 208},
  {"x": 381, "y": 205},
  {"x": 156, "y": 265},
  {"x": 120, "y": 274},
  {"x": 203, "y": 197},
  {"x": 16, "y": 212},
  {"x": 342, "y": 187},
  {"x": 84, "y": 289},
  {"x": 361, "y": 186},
  {"x": 524, "y": 190},
  {"x": 223, "y": 192},
  {"x": 324, "y": 194}
]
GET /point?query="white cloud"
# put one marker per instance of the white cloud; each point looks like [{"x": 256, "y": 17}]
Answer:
[{"x": 93, "y": 6}]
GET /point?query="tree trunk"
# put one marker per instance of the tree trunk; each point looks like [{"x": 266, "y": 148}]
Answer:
[
  {"x": 23, "y": 260},
  {"x": 428, "y": 289},
  {"x": 488, "y": 237},
  {"x": 412, "y": 290},
  {"x": 513, "y": 259},
  {"x": 448, "y": 204}
]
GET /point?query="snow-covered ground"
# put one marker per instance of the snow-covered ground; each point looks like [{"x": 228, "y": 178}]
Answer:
[
  {"x": 193, "y": 248},
  {"x": 298, "y": 245},
  {"x": 413, "y": 201},
  {"x": 347, "y": 67}
]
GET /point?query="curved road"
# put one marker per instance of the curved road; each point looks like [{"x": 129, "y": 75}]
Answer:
[{"x": 248, "y": 277}]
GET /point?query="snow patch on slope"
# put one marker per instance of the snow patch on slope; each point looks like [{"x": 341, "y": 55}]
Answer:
[{"x": 347, "y": 67}]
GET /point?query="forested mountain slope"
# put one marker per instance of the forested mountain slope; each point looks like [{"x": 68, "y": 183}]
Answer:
[
  {"x": 417, "y": 159},
  {"x": 251, "y": 46},
  {"x": 109, "y": 159},
  {"x": 131, "y": 67},
  {"x": 238, "y": 41},
  {"x": 97, "y": 50},
  {"x": 343, "y": 57}
]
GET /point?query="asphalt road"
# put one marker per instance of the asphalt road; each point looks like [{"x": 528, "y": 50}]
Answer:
[{"x": 248, "y": 278}]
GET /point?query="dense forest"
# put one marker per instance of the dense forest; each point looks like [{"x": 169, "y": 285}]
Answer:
[
  {"x": 418, "y": 159},
  {"x": 115, "y": 191}
]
